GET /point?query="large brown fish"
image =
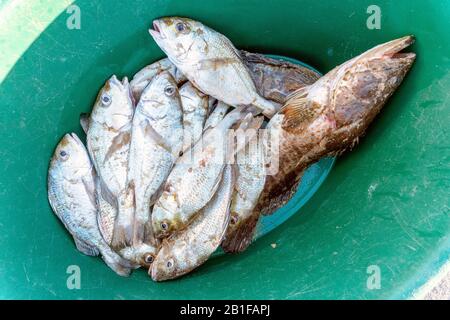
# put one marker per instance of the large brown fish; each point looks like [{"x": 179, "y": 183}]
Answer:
[{"x": 326, "y": 119}]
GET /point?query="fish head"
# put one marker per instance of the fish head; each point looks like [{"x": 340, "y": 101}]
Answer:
[
  {"x": 183, "y": 40},
  {"x": 343, "y": 103},
  {"x": 160, "y": 96},
  {"x": 166, "y": 265},
  {"x": 70, "y": 158},
  {"x": 114, "y": 105},
  {"x": 166, "y": 217},
  {"x": 367, "y": 81},
  {"x": 142, "y": 254}
]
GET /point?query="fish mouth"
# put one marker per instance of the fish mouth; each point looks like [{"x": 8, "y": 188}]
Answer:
[
  {"x": 393, "y": 49},
  {"x": 156, "y": 32},
  {"x": 75, "y": 138}
]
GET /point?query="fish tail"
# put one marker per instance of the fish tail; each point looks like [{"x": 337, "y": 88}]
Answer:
[
  {"x": 123, "y": 226},
  {"x": 268, "y": 108},
  {"x": 120, "y": 266}
]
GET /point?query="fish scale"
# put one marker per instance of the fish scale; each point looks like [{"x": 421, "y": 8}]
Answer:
[{"x": 190, "y": 248}]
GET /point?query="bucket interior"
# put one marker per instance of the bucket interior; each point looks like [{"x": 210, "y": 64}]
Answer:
[{"x": 384, "y": 204}]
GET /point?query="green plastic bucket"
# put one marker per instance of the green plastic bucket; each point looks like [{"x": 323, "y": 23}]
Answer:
[{"x": 378, "y": 227}]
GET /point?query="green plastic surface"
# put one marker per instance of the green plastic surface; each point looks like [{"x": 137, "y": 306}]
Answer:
[{"x": 386, "y": 203}]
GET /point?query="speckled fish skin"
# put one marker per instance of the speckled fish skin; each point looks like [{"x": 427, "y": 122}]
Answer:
[
  {"x": 190, "y": 248},
  {"x": 210, "y": 61},
  {"x": 328, "y": 117},
  {"x": 251, "y": 176},
  {"x": 217, "y": 114},
  {"x": 275, "y": 79},
  {"x": 194, "y": 178},
  {"x": 157, "y": 138},
  {"x": 143, "y": 77},
  {"x": 106, "y": 214},
  {"x": 71, "y": 195},
  {"x": 108, "y": 141},
  {"x": 195, "y": 109}
]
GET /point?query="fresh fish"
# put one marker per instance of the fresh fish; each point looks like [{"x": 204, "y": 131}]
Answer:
[
  {"x": 157, "y": 138},
  {"x": 216, "y": 115},
  {"x": 190, "y": 248},
  {"x": 143, "y": 77},
  {"x": 108, "y": 141},
  {"x": 325, "y": 119},
  {"x": 328, "y": 117},
  {"x": 249, "y": 185},
  {"x": 141, "y": 255},
  {"x": 71, "y": 185},
  {"x": 210, "y": 61},
  {"x": 195, "y": 109},
  {"x": 196, "y": 176},
  {"x": 276, "y": 79}
]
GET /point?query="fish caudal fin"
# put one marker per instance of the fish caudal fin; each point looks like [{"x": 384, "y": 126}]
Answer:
[
  {"x": 123, "y": 226},
  {"x": 120, "y": 266},
  {"x": 267, "y": 107}
]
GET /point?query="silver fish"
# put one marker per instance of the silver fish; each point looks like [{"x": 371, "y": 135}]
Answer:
[
  {"x": 157, "y": 138},
  {"x": 143, "y": 77},
  {"x": 72, "y": 197},
  {"x": 195, "y": 109},
  {"x": 210, "y": 61},
  {"x": 108, "y": 141},
  {"x": 250, "y": 181},
  {"x": 190, "y": 248},
  {"x": 195, "y": 177}
]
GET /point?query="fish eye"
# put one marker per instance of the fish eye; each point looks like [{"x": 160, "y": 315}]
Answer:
[
  {"x": 106, "y": 99},
  {"x": 169, "y": 90},
  {"x": 64, "y": 155},
  {"x": 181, "y": 27},
  {"x": 234, "y": 219},
  {"x": 164, "y": 226},
  {"x": 148, "y": 258}
]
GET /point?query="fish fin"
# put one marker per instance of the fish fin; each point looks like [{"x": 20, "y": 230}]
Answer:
[
  {"x": 276, "y": 201},
  {"x": 297, "y": 109},
  {"x": 241, "y": 237},
  {"x": 106, "y": 193},
  {"x": 90, "y": 190},
  {"x": 118, "y": 264},
  {"x": 149, "y": 131},
  {"x": 85, "y": 248},
  {"x": 123, "y": 225},
  {"x": 123, "y": 138},
  {"x": 84, "y": 122}
]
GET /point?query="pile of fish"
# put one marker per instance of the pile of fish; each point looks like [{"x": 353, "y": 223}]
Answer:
[{"x": 187, "y": 156}]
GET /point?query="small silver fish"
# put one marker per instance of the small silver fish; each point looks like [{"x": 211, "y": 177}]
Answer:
[
  {"x": 251, "y": 176},
  {"x": 157, "y": 138},
  {"x": 72, "y": 197},
  {"x": 210, "y": 61},
  {"x": 143, "y": 77},
  {"x": 190, "y": 248},
  {"x": 108, "y": 142},
  {"x": 195, "y": 109},
  {"x": 195, "y": 177}
]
